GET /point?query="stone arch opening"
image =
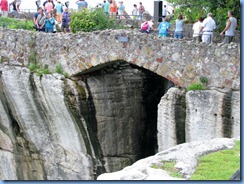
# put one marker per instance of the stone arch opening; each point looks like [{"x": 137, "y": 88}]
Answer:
[{"x": 124, "y": 100}]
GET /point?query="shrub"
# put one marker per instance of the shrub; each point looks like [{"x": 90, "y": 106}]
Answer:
[
  {"x": 66, "y": 75},
  {"x": 91, "y": 20},
  {"x": 58, "y": 68},
  {"x": 38, "y": 70},
  {"x": 204, "y": 80},
  {"x": 16, "y": 23},
  {"x": 196, "y": 86}
]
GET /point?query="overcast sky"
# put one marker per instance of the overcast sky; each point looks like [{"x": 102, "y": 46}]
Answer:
[{"x": 148, "y": 4}]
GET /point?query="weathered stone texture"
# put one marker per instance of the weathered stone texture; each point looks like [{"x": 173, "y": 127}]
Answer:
[
  {"x": 197, "y": 115},
  {"x": 208, "y": 115},
  {"x": 180, "y": 61},
  {"x": 48, "y": 143},
  {"x": 171, "y": 119}
]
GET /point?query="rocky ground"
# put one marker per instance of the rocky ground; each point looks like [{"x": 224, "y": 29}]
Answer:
[{"x": 185, "y": 155}]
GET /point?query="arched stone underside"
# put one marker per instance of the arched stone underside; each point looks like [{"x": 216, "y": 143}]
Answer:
[{"x": 180, "y": 61}]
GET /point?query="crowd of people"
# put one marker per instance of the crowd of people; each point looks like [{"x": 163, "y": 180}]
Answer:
[
  {"x": 118, "y": 10},
  {"x": 53, "y": 13},
  {"x": 202, "y": 29},
  {"x": 12, "y": 7}
]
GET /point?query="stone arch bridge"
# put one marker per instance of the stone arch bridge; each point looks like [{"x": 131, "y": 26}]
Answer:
[{"x": 180, "y": 61}]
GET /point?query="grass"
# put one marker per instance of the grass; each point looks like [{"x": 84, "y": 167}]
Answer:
[
  {"x": 219, "y": 165},
  {"x": 169, "y": 167},
  {"x": 38, "y": 70},
  {"x": 58, "y": 68},
  {"x": 196, "y": 86}
]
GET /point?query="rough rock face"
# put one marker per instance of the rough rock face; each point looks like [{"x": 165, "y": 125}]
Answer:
[
  {"x": 211, "y": 114},
  {"x": 171, "y": 119},
  {"x": 185, "y": 155},
  {"x": 197, "y": 115},
  {"x": 125, "y": 104},
  {"x": 40, "y": 138}
]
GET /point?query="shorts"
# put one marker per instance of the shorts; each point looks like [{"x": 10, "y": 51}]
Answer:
[
  {"x": 207, "y": 38},
  {"x": 65, "y": 26}
]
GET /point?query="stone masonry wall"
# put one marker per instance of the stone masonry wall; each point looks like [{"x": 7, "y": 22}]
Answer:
[{"x": 180, "y": 61}]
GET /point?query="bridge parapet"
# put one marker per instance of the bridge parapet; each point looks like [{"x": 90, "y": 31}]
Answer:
[{"x": 181, "y": 61}]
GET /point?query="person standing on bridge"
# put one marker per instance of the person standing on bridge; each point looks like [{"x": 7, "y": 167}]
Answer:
[
  {"x": 113, "y": 9},
  {"x": 121, "y": 10},
  {"x": 16, "y": 10},
  {"x": 4, "y": 8},
  {"x": 230, "y": 28},
  {"x": 40, "y": 21},
  {"x": 106, "y": 5},
  {"x": 81, "y": 4},
  {"x": 196, "y": 28},
  {"x": 207, "y": 28},
  {"x": 49, "y": 6},
  {"x": 141, "y": 10},
  {"x": 59, "y": 10},
  {"x": 179, "y": 27},
  {"x": 135, "y": 12}
]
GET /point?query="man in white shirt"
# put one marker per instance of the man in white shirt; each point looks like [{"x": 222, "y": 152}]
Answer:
[{"x": 207, "y": 28}]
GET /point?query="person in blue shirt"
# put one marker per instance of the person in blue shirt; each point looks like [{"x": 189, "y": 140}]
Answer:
[
  {"x": 106, "y": 5},
  {"x": 50, "y": 22},
  {"x": 179, "y": 27},
  {"x": 163, "y": 28},
  {"x": 81, "y": 4},
  {"x": 59, "y": 8},
  {"x": 121, "y": 10}
]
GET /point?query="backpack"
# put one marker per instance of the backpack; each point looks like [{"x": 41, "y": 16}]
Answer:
[{"x": 145, "y": 26}]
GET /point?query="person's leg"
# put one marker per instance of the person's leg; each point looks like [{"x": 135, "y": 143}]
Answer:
[{"x": 5, "y": 13}]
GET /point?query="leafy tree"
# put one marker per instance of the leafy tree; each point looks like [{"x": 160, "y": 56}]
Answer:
[{"x": 193, "y": 9}]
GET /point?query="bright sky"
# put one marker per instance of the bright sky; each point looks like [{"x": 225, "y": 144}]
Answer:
[{"x": 148, "y": 4}]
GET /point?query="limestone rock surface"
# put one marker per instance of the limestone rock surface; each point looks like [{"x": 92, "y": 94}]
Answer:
[{"x": 185, "y": 156}]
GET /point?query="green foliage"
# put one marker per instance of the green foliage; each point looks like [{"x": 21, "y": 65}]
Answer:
[
  {"x": 91, "y": 20},
  {"x": 192, "y": 10},
  {"x": 16, "y": 23},
  {"x": 219, "y": 165},
  {"x": 204, "y": 80},
  {"x": 196, "y": 86},
  {"x": 169, "y": 167},
  {"x": 66, "y": 75},
  {"x": 38, "y": 69},
  {"x": 59, "y": 68},
  {"x": 32, "y": 56}
]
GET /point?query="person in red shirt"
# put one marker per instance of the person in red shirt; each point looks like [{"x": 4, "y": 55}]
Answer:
[
  {"x": 4, "y": 7},
  {"x": 113, "y": 9}
]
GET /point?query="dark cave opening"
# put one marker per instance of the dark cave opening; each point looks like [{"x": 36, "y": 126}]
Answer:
[{"x": 125, "y": 99}]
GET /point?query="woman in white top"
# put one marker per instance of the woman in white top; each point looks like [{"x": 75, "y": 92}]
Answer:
[{"x": 197, "y": 36}]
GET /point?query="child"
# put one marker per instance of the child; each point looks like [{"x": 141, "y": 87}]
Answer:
[{"x": 163, "y": 28}]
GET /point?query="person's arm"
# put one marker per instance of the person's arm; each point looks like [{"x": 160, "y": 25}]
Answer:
[
  {"x": 17, "y": 7},
  {"x": 44, "y": 22},
  {"x": 227, "y": 27}
]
